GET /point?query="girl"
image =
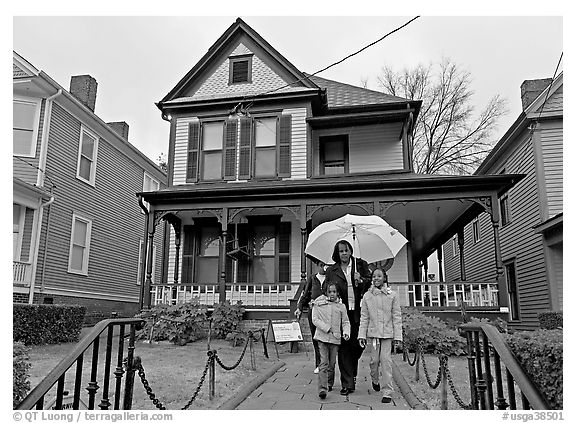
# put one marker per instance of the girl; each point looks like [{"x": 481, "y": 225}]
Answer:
[
  {"x": 381, "y": 321},
  {"x": 331, "y": 321}
]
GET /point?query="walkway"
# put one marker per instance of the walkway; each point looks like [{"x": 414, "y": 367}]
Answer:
[{"x": 295, "y": 387}]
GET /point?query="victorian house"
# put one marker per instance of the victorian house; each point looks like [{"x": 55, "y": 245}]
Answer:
[{"x": 260, "y": 153}]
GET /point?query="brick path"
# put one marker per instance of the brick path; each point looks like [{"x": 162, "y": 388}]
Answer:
[{"x": 295, "y": 387}]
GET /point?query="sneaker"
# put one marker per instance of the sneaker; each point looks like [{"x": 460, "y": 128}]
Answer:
[
  {"x": 322, "y": 394},
  {"x": 344, "y": 391},
  {"x": 316, "y": 370},
  {"x": 376, "y": 386},
  {"x": 386, "y": 400},
  {"x": 329, "y": 389}
]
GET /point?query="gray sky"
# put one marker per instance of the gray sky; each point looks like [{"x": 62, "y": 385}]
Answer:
[{"x": 137, "y": 60}]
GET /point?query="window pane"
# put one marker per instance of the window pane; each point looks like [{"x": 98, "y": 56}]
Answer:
[
  {"x": 212, "y": 165},
  {"x": 207, "y": 270},
  {"x": 334, "y": 151},
  {"x": 80, "y": 230},
  {"x": 264, "y": 270},
  {"x": 77, "y": 257},
  {"x": 265, "y": 132},
  {"x": 264, "y": 240},
  {"x": 85, "y": 166},
  {"x": 209, "y": 241},
  {"x": 16, "y": 214},
  {"x": 23, "y": 116},
  {"x": 213, "y": 133},
  {"x": 265, "y": 162},
  {"x": 334, "y": 169},
  {"x": 22, "y": 142},
  {"x": 88, "y": 145}
]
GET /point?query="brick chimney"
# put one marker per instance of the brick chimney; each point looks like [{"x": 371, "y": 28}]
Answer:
[
  {"x": 84, "y": 88},
  {"x": 531, "y": 89},
  {"x": 121, "y": 128}
]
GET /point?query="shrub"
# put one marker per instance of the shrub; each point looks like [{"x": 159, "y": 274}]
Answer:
[
  {"x": 434, "y": 334},
  {"x": 36, "y": 324},
  {"x": 550, "y": 320},
  {"x": 226, "y": 318},
  {"x": 540, "y": 353},
  {"x": 179, "y": 323},
  {"x": 20, "y": 375}
]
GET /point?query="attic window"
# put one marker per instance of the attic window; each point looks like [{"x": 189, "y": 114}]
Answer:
[{"x": 240, "y": 70}]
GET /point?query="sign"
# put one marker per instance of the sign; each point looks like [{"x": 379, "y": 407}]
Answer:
[{"x": 285, "y": 331}]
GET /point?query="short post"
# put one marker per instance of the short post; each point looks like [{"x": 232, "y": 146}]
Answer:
[
  {"x": 417, "y": 365},
  {"x": 252, "y": 358},
  {"x": 209, "y": 332},
  {"x": 212, "y": 377},
  {"x": 444, "y": 392},
  {"x": 263, "y": 331}
]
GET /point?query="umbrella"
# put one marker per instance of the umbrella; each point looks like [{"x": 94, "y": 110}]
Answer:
[{"x": 372, "y": 238}]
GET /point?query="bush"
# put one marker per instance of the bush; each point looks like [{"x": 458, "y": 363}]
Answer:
[
  {"x": 434, "y": 334},
  {"x": 226, "y": 318},
  {"x": 20, "y": 375},
  {"x": 179, "y": 323},
  {"x": 550, "y": 320},
  {"x": 540, "y": 353},
  {"x": 36, "y": 324}
]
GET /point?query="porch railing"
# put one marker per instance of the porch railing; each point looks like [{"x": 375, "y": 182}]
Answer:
[
  {"x": 100, "y": 374},
  {"x": 21, "y": 271},
  {"x": 447, "y": 294},
  {"x": 209, "y": 294}
]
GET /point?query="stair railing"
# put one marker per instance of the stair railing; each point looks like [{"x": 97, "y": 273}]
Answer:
[
  {"x": 36, "y": 397},
  {"x": 487, "y": 354}
]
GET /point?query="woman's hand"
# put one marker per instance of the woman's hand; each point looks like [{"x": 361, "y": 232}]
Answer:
[
  {"x": 346, "y": 337},
  {"x": 362, "y": 342}
]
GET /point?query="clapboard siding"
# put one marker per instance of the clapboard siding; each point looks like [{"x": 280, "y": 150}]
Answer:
[
  {"x": 298, "y": 148},
  {"x": 552, "y": 157},
  {"x": 111, "y": 205},
  {"x": 26, "y": 168},
  {"x": 181, "y": 149},
  {"x": 372, "y": 148},
  {"x": 27, "y": 234}
]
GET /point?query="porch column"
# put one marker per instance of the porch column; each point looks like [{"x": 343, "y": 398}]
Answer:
[
  {"x": 425, "y": 262},
  {"x": 461, "y": 249},
  {"x": 304, "y": 239},
  {"x": 440, "y": 270},
  {"x": 502, "y": 289},
  {"x": 149, "y": 258},
  {"x": 222, "y": 256}
]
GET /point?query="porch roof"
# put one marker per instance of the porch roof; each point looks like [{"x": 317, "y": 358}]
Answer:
[{"x": 436, "y": 205}]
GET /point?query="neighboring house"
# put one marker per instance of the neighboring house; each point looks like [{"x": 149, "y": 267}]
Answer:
[
  {"x": 531, "y": 213},
  {"x": 77, "y": 225},
  {"x": 261, "y": 153}
]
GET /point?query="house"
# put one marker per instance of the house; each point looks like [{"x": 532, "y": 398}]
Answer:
[
  {"x": 261, "y": 153},
  {"x": 77, "y": 231},
  {"x": 531, "y": 212}
]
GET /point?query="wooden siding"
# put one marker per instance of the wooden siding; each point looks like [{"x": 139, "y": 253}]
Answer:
[
  {"x": 517, "y": 240},
  {"x": 111, "y": 205},
  {"x": 299, "y": 142},
  {"x": 557, "y": 265},
  {"x": 372, "y": 148},
  {"x": 552, "y": 156},
  {"x": 25, "y": 168},
  {"x": 181, "y": 150},
  {"x": 27, "y": 235}
]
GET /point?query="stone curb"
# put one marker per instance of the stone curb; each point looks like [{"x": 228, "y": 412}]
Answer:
[
  {"x": 250, "y": 387},
  {"x": 405, "y": 389}
]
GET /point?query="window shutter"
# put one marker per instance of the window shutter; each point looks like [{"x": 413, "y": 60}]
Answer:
[
  {"x": 230, "y": 149},
  {"x": 245, "y": 148},
  {"x": 284, "y": 252},
  {"x": 193, "y": 144},
  {"x": 284, "y": 158},
  {"x": 188, "y": 255}
]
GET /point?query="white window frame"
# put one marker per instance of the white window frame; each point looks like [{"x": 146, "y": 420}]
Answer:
[
  {"x": 17, "y": 253},
  {"x": 476, "y": 233},
  {"x": 144, "y": 188},
  {"x": 34, "y": 144},
  {"x": 92, "y": 179},
  {"x": 84, "y": 270},
  {"x": 141, "y": 262}
]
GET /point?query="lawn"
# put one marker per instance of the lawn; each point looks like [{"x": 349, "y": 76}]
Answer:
[{"x": 172, "y": 371}]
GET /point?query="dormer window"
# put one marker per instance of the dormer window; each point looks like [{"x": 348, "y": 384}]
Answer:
[{"x": 240, "y": 70}]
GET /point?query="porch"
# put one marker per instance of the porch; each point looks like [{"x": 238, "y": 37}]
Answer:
[{"x": 22, "y": 273}]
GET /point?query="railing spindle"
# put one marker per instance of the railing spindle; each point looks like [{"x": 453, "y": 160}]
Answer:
[
  {"x": 119, "y": 372},
  {"x": 40, "y": 403},
  {"x": 500, "y": 400},
  {"x": 488, "y": 371},
  {"x": 525, "y": 402},
  {"x": 93, "y": 384},
  {"x": 480, "y": 382},
  {"x": 78, "y": 382},
  {"x": 511, "y": 390},
  {"x": 60, "y": 392},
  {"x": 105, "y": 401},
  {"x": 129, "y": 384},
  {"x": 471, "y": 370}
]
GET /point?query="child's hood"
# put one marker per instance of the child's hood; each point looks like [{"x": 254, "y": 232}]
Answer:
[{"x": 321, "y": 300}]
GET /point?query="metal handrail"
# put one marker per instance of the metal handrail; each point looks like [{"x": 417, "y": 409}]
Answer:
[
  {"x": 527, "y": 387},
  {"x": 64, "y": 365}
]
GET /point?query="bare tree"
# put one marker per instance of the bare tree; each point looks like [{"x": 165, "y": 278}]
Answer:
[
  {"x": 162, "y": 162},
  {"x": 448, "y": 138}
]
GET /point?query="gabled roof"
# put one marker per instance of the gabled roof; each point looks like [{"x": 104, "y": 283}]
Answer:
[
  {"x": 345, "y": 95},
  {"x": 237, "y": 28}
]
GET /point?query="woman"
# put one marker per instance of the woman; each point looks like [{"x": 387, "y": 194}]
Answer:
[{"x": 352, "y": 278}]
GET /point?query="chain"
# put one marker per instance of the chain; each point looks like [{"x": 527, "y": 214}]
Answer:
[
  {"x": 211, "y": 355},
  {"x": 439, "y": 377},
  {"x": 453, "y": 389},
  {"x": 237, "y": 362},
  {"x": 138, "y": 366},
  {"x": 405, "y": 348}
]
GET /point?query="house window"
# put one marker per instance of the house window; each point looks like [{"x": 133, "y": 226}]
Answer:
[
  {"x": 265, "y": 147},
  {"x": 87, "y": 152},
  {"x": 141, "y": 260},
  {"x": 149, "y": 184},
  {"x": 454, "y": 246},
  {"x": 79, "y": 245},
  {"x": 211, "y": 161},
  {"x": 240, "y": 70},
  {"x": 476, "y": 230},
  {"x": 512, "y": 285},
  {"x": 25, "y": 123},
  {"x": 17, "y": 229},
  {"x": 208, "y": 254},
  {"x": 333, "y": 155},
  {"x": 504, "y": 210}
]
